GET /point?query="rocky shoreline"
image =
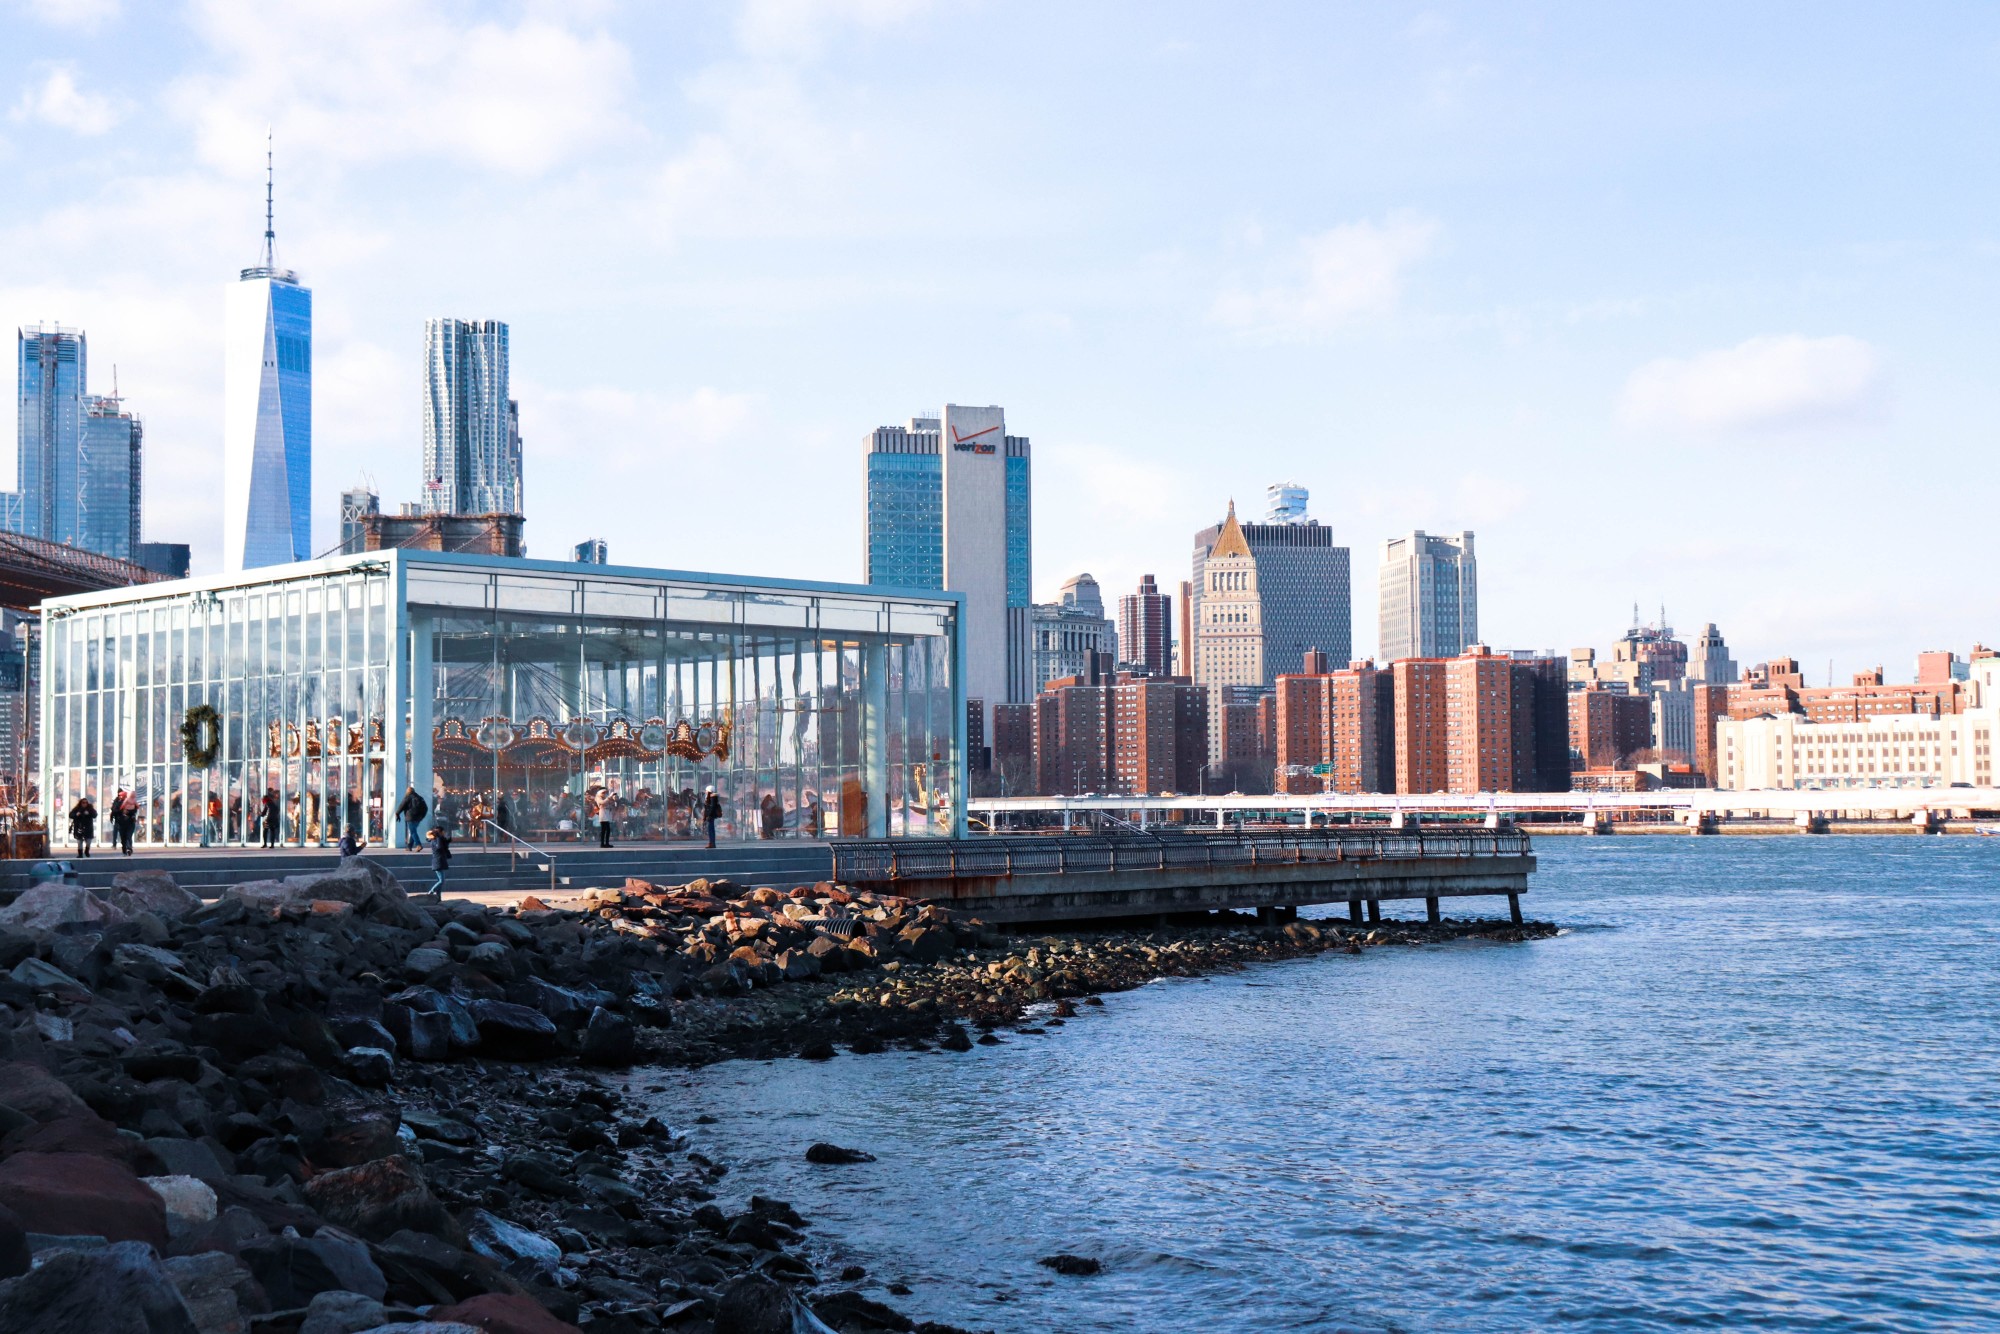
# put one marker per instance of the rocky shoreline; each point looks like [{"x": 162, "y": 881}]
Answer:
[{"x": 320, "y": 1106}]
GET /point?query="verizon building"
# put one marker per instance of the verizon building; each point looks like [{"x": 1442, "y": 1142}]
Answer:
[{"x": 948, "y": 508}]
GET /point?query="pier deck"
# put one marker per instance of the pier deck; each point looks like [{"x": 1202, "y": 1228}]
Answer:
[
  {"x": 1051, "y": 878},
  {"x": 1040, "y": 878}
]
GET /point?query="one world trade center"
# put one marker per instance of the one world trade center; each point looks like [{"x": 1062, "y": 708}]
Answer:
[{"x": 267, "y": 413}]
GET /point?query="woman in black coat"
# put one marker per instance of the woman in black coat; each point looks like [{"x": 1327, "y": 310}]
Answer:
[{"x": 83, "y": 825}]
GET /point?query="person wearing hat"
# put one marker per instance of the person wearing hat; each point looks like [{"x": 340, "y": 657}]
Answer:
[{"x": 711, "y": 811}]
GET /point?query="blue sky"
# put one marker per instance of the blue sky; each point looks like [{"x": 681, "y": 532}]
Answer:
[{"x": 1688, "y": 306}]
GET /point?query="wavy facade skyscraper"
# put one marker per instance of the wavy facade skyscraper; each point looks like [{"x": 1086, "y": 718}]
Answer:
[
  {"x": 267, "y": 413},
  {"x": 472, "y": 437}
]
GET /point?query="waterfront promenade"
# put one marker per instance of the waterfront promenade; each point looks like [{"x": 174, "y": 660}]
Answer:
[{"x": 1698, "y": 810}]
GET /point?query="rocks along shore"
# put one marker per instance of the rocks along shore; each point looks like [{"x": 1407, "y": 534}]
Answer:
[{"x": 320, "y": 1106}]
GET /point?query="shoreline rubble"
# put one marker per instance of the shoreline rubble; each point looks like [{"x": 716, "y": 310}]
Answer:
[{"x": 321, "y": 1106}]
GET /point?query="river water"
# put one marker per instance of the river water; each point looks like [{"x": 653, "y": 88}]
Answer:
[{"x": 1751, "y": 1086}]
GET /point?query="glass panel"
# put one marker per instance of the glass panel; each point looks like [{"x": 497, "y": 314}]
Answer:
[
  {"x": 840, "y": 614},
  {"x": 447, "y": 588},
  {"x": 638, "y": 601}
]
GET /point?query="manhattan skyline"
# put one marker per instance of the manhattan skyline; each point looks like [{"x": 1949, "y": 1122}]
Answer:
[{"x": 1680, "y": 337}]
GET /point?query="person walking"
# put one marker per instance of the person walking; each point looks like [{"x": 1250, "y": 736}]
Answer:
[
  {"x": 269, "y": 817},
  {"x": 115, "y": 814},
  {"x": 83, "y": 824},
  {"x": 125, "y": 821},
  {"x": 211, "y": 825},
  {"x": 411, "y": 810},
  {"x": 440, "y": 859},
  {"x": 711, "y": 811},
  {"x": 605, "y": 816}
]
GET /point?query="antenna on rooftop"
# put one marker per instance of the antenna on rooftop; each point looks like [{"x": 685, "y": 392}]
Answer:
[{"x": 270, "y": 235}]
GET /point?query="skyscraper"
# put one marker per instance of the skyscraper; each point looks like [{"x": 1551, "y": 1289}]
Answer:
[
  {"x": 472, "y": 443},
  {"x": 79, "y": 453},
  {"x": 109, "y": 494},
  {"x": 1070, "y": 636},
  {"x": 1229, "y": 633},
  {"x": 267, "y": 412},
  {"x": 1430, "y": 597},
  {"x": 1302, "y": 580},
  {"x": 357, "y": 505},
  {"x": 1145, "y": 631},
  {"x": 1712, "y": 664},
  {"x": 959, "y": 518},
  {"x": 51, "y": 367}
]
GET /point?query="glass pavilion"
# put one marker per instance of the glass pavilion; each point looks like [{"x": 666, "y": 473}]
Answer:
[{"x": 531, "y": 693}]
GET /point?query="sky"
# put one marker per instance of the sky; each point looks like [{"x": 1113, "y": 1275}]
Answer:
[{"x": 1688, "y": 307}]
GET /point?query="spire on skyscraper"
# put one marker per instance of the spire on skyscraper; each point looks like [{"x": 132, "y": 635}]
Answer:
[{"x": 270, "y": 233}]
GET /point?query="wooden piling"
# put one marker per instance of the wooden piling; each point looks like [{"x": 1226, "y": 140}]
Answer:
[{"x": 1431, "y": 904}]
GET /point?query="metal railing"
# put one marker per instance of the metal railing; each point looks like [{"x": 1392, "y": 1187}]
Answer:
[
  {"x": 999, "y": 855},
  {"x": 513, "y": 840}
]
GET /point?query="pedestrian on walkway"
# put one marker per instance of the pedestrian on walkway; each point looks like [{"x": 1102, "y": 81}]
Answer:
[
  {"x": 411, "y": 811},
  {"x": 711, "y": 811},
  {"x": 125, "y": 820},
  {"x": 350, "y": 843},
  {"x": 440, "y": 860},
  {"x": 269, "y": 818},
  {"x": 211, "y": 825},
  {"x": 606, "y": 814},
  {"x": 83, "y": 824}
]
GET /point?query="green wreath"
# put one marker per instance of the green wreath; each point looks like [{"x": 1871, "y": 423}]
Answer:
[{"x": 201, "y": 735}]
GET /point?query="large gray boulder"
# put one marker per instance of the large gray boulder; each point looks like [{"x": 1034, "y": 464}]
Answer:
[
  {"x": 134, "y": 892},
  {"x": 59, "y": 908},
  {"x": 365, "y": 884}
]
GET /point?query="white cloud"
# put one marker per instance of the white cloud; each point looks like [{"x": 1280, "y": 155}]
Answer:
[
  {"x": 57, "y": 101},
  {"x": 1353, "y": 271},
  {"x": 774, "y": 160},
  {"x": 1775, "y": 382},
  {"x": 84, "y": 15},
  {"x": 797, "y": 27},
  {"x": 392, "y": 80},
  {"x": 770, "y": 165}
]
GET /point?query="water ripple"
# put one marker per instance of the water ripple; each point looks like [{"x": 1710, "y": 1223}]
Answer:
[{"x": 1749, "y": 1087}]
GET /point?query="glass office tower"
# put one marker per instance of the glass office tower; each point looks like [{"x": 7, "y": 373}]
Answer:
[
  {"x": 481, "y": 679},
  {"x": 267, "y": 420},
  {"x": 50, "y": 371},
  {"x": 78, "y": 456},
  {"x": 108, "y": 518}
]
